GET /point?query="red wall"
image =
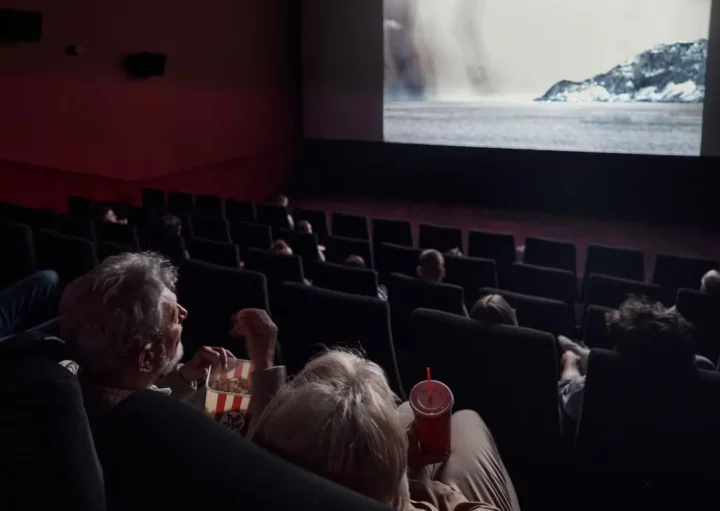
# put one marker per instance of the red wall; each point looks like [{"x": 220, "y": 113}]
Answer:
[{"x": 219, "y": 121}]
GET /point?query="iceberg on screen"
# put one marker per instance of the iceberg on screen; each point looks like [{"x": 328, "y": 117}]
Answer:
[{"x": 667, "y": 73}]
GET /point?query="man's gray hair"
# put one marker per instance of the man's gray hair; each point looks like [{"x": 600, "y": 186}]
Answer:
[
  {"x": 108, "y": 314},
  {"x": 339, "y": 418}
]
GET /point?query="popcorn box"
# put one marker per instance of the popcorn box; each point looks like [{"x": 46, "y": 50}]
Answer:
[{"x": 228, "y": 392}]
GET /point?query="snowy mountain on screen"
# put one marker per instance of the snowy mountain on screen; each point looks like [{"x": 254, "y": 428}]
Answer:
[{"x": 667, "y": 73}]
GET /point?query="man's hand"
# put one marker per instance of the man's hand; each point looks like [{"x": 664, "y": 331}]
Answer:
[
  {"x": 417, "y": 460},
  {"x": 204, "y": 361},
  {"x": 260, "y": 336}
]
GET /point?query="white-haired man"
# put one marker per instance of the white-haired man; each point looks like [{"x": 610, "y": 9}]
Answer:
[
  {"x": 340, "y": 419},
  {"x": 123, "y": 324}
]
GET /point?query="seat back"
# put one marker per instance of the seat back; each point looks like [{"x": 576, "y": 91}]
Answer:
[
  {"x": 551, "y": 254},
  {"x": 338, "y": 249},
  {"x": 405, "y": 294},
  {"x": 223, "y": 470},
  {"x": 250, "y": 235},
  {"x": 305, "y": 245},
  {"x": 212, "y": 294},
  {"x": 48, "y": 450},
  {"x": 440, "y": 238},
  {"x": 240, "y": 211},
  {"x": 81, "y": 206},
  {"x": 617, "y": 262},
  {"x": 675, "y": 272},
  {"x": 317, "y": 219},
  {"x": 391, "y": 258},
  {"x": 470, "y": 273},
  {"x": 275, "y": 267},
  {"x": 209, "y": 205},
  {"x": 398, "y": 232},
  {"x": 34, "y": 218},
  {"x": 78, "y": 226},
  {"x": 19, "y": 252},
  {"x": 346, "y": 279},
  {"x": 612, "y": 291},
  {"x": 493, "y": 245},
  {"x": 153, "y": 199},
  {"x": 645, "y": 435},
  {"x": 119, "y": 234},
  {"x": 313, "y": 318},
  {"x": 703, "y": 311},
  {"x": 273, "y": 215},
  {"x": 172, "y": 247},
  {"x": 70, "y": 257},
  {"x": 541, "y": 281},
  {"x": 508, "y": 375},
  {"x": 211, "y": 228},
  {"x": 350, "y": 226},
  {"x": 180, "y": 203},
  {"x": 215, "y": 252},
  {"x": 539, "y": 313},
  {"x": 106, "y": 249},
  {"x": 595, "y": 331}
]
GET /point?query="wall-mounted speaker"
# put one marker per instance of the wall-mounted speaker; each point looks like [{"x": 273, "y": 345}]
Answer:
[
  {"x": 145, "y": 64},
  {"x": 18, "y": 26}
]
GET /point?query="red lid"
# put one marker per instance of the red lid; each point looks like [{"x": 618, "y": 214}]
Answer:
[{"x": 426, "y": 404}]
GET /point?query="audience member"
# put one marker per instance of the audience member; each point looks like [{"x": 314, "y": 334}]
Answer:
[
  {"x": 456, "y": 252},
  {"x": 495, "y": 310},
  {"x": 304, "y": 226},
  {"x": 710, "y": 283},
  {"x": 27, "y": 303},
  {"x": 123, "y": 324},
  {"x": 648, "y": 333},
  {"x": 431, "y": 266},
  {"x": 169, "y": 225},
  {"x": 282, "y": 200},
  {"x": 107, "y": 214},
  {"x": 339, "y": 419},
  {"x": 166, "y": 239},
  {"x": 281, "y": 247},
  {"x": 355, "y": 261}
]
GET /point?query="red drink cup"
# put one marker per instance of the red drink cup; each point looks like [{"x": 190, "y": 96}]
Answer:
[{"x": 432, "y": 416}]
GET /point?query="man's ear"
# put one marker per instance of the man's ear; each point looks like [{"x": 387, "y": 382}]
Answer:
[
  {"x": 147, "y": 359},
  {"x": 442, "y": 273},
  {"x": 418, "y": 269}
]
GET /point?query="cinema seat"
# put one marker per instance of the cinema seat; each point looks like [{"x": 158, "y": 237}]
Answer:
[
  {"x": 398, "y": 232},
  {"x": 346, "y": 279},
  {"x": 211, "y": 228},
  {"x": 544, "y": 282},
  {"x": 317, "y": 219},
  {"x": 551, "y": 254},
  {"x": 339, "y": 248},
  {"x": 350, "y": 226},
  {"x": 209, "y": 206},
  {"x": 616, "y": 262},
  {"x": 214, "y": 252},
  {"x": 240, "y": 211},
  {"x": 312, "y": 318},
  {"x": 440, "y": 238},
  {"x": 544, "y": 314},
  {"x": 508, "y": 375}
]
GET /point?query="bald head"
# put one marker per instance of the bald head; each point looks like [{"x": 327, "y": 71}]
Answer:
[{"x": 710, "y": 283}]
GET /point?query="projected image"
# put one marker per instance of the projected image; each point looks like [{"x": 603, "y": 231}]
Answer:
[{"x": 620, "y": 76}]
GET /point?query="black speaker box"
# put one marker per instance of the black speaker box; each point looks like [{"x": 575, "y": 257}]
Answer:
[
  {"x": 18, "y": 26},
  {"x": 145, "y": 64}
]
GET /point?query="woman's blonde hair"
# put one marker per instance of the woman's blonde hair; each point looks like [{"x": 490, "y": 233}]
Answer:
[{"x": 338, "y": 418}]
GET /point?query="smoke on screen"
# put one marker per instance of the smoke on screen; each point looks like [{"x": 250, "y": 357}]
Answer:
[{"x": 465, "y": 49}]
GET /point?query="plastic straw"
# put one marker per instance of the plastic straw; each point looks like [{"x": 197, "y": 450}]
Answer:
[{"x": 427, "y": 370}]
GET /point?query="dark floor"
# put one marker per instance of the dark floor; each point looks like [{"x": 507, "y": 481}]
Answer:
[{"x": 653, "y": 239}]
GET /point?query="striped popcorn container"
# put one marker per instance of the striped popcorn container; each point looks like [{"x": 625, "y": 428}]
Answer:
[{"x": 227, "y": 398}]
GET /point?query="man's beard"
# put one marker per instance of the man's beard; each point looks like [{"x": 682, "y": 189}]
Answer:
[{"x": 174, "y": 360}]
